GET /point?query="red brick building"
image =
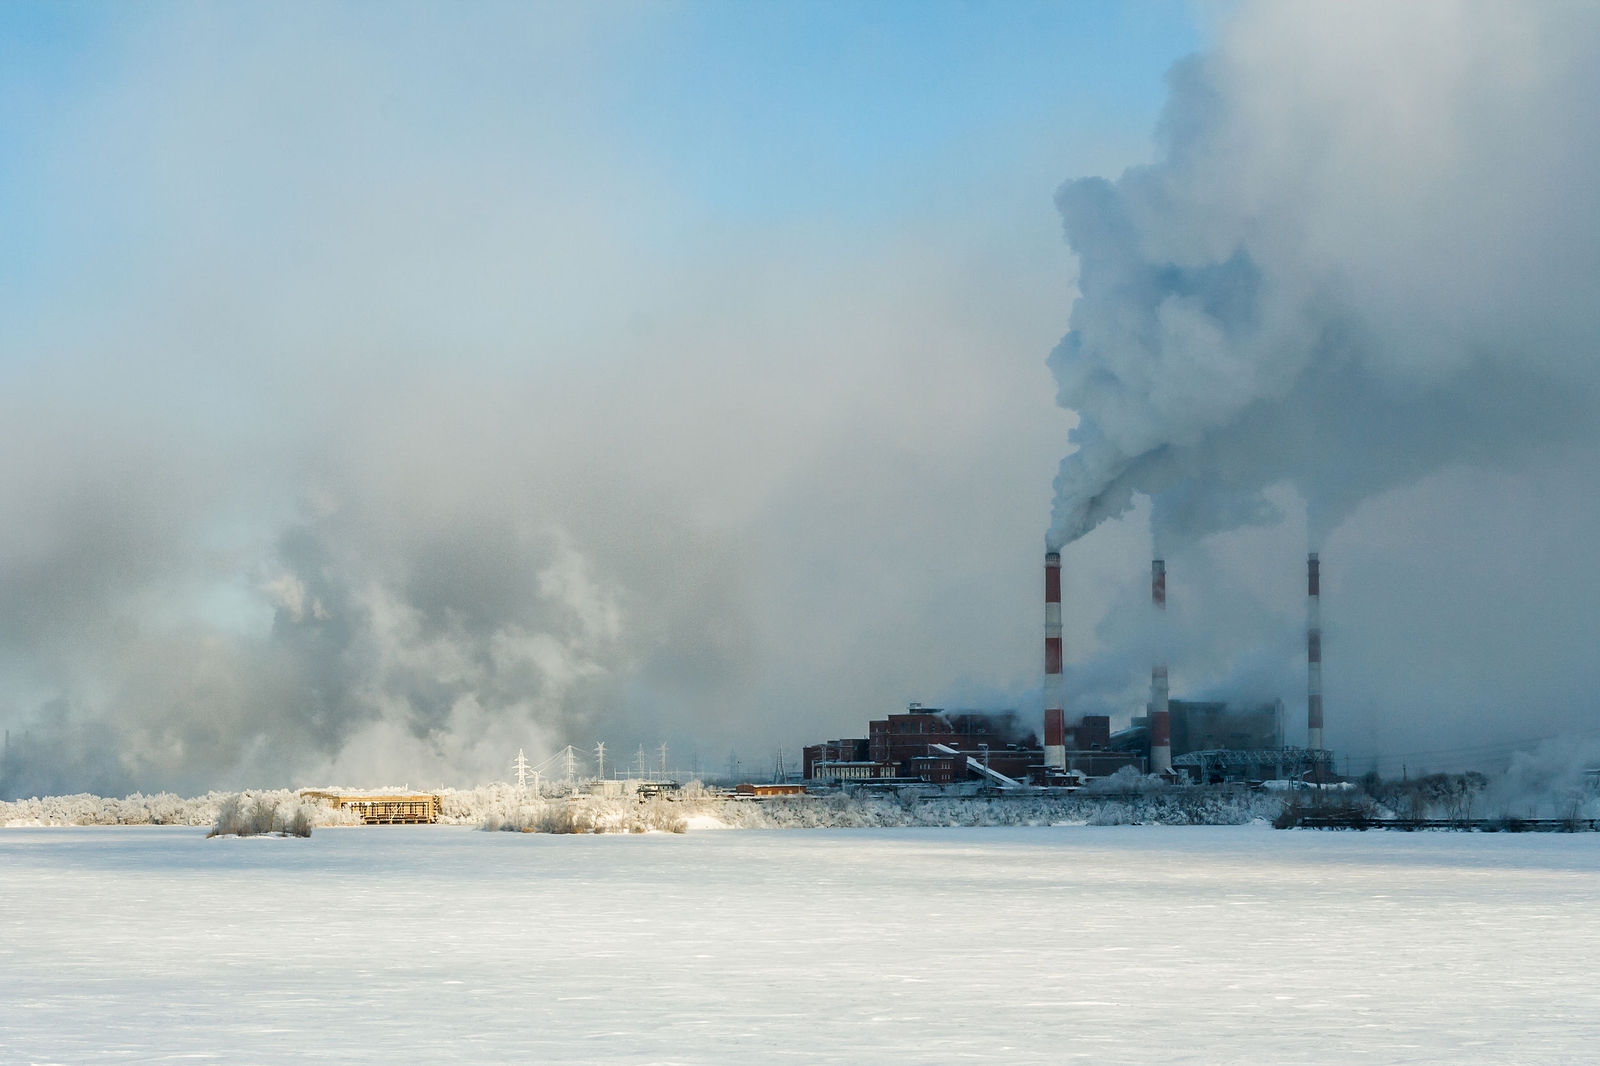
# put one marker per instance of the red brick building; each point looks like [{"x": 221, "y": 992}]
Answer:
[
  {"x": 832, "y": 751},
  {"x": 929, "y": 744}
]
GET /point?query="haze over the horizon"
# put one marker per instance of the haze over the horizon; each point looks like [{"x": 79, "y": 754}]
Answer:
[{"x": 388, "y": 389}]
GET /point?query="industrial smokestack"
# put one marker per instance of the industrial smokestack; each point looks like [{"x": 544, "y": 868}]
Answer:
[
  {"x": 1313, "y": 654},
  {"x": 1055, "y": 714},
  {"x": 1160, "y": 713}
]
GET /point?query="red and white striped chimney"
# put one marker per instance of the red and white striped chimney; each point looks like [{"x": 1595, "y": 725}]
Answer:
[
  {"x": 1055, "y": 714},
  {"x": 1313, "y": 654},
  {"x": 1160, "y": 712}
]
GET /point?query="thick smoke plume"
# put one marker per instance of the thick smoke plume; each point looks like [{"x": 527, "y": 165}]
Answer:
[
  {"x": 1366, "y": 253},
  {"x": 1349, "y": 303}
]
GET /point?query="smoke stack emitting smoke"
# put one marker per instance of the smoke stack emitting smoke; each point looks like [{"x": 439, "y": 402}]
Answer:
[
  {"x": 1315, "y": 289},
  {"x": 1055, "y": 725}
]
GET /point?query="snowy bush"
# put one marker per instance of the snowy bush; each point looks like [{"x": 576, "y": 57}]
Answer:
[
  {"x": 592, "y": 814},
  {"x": 280, "y": 813},
  {"x": 162, "y": 809},
  {"x": 1126, "y": 780}
]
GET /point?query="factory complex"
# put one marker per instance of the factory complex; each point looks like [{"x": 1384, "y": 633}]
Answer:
[
  {"x": 1177, "y": 741},
  {"x": 1202, "y": 742}
]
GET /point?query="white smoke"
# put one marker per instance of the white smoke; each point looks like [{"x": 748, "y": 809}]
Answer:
[
  {"x": 1365, "y": 253},
  {"x": 400, "y": 405}
]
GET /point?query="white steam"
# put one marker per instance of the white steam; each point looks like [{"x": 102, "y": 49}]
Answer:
[{"x": 1366, "y": 253}]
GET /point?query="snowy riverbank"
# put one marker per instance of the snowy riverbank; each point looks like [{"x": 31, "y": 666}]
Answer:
[
  {"x": 1114, "y": 801},
  {"x": 506, "y": 807}
]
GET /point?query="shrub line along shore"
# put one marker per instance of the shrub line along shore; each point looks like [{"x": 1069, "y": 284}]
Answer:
[{"x": 507, "y": 807}]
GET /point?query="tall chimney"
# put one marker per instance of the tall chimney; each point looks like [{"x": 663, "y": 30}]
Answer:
[
  {"x": 1313, "y": 655},
  {"x": 1055, "y": 714},
  {"x": 1160, "y": 713}
]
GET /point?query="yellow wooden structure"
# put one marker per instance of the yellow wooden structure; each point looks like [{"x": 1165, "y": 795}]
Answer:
[{"x": 380, "y": 808}]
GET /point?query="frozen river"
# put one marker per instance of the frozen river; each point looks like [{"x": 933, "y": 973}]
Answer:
[{"x": 1117, "y": 944}]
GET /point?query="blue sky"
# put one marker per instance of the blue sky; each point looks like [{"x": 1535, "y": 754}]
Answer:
[
  {"x": 748, "y": 115},
  {"x": 824, "y": 107}
]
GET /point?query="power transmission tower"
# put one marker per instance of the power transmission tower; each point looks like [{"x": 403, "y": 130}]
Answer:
[
  {"x": 521, "y": 767},
  {"x": 641, "y": 762},
  {"x": 600, "y": 760},
  {"x": 663, "y": 762},
  {"x": 572, "y": 764}
]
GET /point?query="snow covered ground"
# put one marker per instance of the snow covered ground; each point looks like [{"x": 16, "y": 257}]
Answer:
[{"x": 437, "y": 944}]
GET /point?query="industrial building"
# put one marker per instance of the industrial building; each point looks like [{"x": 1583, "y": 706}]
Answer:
[
  {"x": 1209, "y": 742},
  {"x": 1201, "y": 741},
  {"x": 1212, "y": 741},
  {"x": 1088, "y": 752},
  {"x": 928, "y": 745},
  {"x": 931, "y": 746},
  {"x": 1204, "y": 741}
]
